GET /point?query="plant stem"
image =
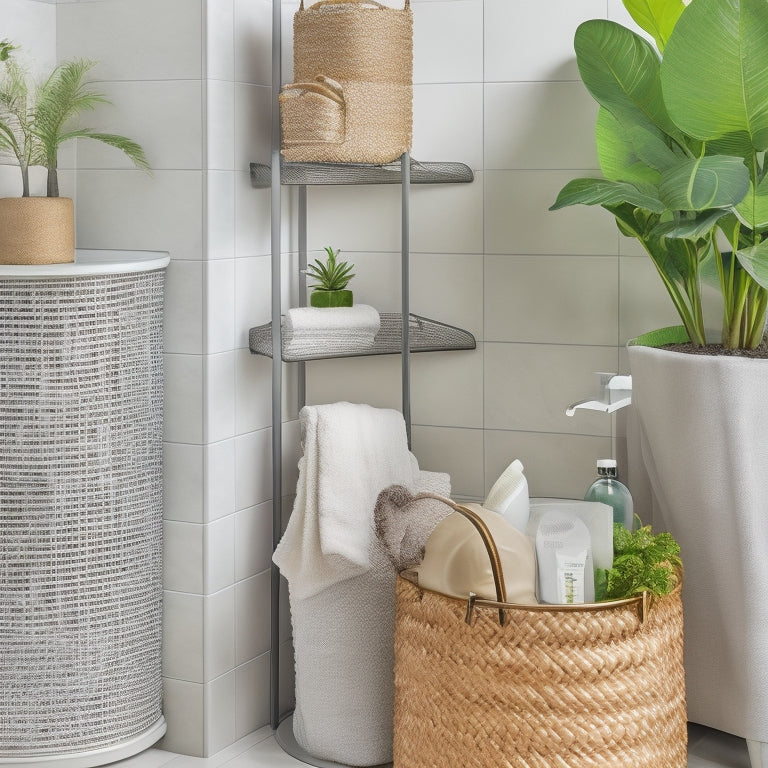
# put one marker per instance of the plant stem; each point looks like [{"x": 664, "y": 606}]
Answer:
[{"x": 53, "y": 182}]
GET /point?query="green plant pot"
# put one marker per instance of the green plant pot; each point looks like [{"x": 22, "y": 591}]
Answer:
[{"x": 331, "y": 298}]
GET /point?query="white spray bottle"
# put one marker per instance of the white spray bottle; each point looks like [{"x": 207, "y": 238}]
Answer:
[{"x": 509, "y": 496}]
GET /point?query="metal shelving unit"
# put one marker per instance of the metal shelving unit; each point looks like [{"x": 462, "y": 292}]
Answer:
[{"x": 400, "y": 333}]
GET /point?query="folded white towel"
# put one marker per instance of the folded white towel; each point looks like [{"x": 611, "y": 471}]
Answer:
[
  {"x": 351, "y": 453},
  {"x": 360, "y": 317}
]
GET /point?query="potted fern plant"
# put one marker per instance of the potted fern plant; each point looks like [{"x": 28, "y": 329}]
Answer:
[
  {"x": 34, "y": 122},
  {"x": 332, "y": 278},
  {"x": 682, "y": 135}
]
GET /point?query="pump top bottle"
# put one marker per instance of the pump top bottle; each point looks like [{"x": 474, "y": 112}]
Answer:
[{"x": 608, "y": 490}]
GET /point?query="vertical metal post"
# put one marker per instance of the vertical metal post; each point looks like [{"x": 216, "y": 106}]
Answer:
[
  {"x": 302, "y": 372},
  {"x": 277, "y": 370},
  {"x": 405, "y": 302}
]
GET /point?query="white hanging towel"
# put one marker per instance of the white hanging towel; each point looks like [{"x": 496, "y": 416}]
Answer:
[{"x": 341, "y": 582}]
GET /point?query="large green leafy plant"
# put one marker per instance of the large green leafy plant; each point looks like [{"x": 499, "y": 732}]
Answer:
[
  {"x": 682, "y": 132},
  {"x": 35, "y": 121}
]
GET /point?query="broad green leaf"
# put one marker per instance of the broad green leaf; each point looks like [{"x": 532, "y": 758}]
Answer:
[
  {"x": 622, "y": 72},
  {"x": 691, "y": 229},
  {"x": 714, "y": 70},
  {"x": 737, "y": 144},
  {"x": 708, "y": 267},
  {"x": 671, "y": 258},
  {"x": 605, "y": 192},
  {"x": 753, "y": 209},
  {"x": 707, "y": 182},
  {"x": 656, "y": 17},
  {"x": 618, "y": 160},
  {"x": 651, "y": 148},
  {"x": 755, "y": 262}
]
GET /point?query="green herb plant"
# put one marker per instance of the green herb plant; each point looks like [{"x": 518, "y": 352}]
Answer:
[
  {"x": 682, "y": 134},
  {"x": 35, "y": 121},
  {"x": 332, "y": 275},
  {"x": 642, "y": 562}
]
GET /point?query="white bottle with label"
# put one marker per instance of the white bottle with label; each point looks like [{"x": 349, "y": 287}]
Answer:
[{"x": 608, "y": 490}]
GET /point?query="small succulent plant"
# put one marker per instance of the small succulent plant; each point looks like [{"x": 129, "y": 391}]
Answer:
[{"x": 332, "y": 275}]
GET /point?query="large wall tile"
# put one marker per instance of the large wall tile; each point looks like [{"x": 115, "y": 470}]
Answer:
[
  {"x": 252, "y": 296},
  {"x": 220, "y": 713},
  {"x": 172, "y": 139},
  {"x": 219, "y": 633},
  {"x": 183, "y": 557},
  {"x": 183, "y": 323},
  {"x": 184, "y": 712},
  {"x": 251, "y": 695},
  {"x": 253, "y": 540},
  {"x": 526, "y": 40},
  {"x": 447, "y": 218},
  {"x": 447, "y": 388},
  {"x": 32, "y": 27},
  {"x": 220, "y": 40},
  {"x": 219, "y": 305},
  {"x": 448, "y": 41},
  {"x": 448, "y": 287},
  {"x": 529, "y": 386},
  {"x": 253, "y": 392},
  {"x": 448, "y": 123},
  {"x": 373, "y": 380},
  {"x": 524, "y": 126},
  {"x": 459, "y": 452},
  {"x": 219, "y": 396},
  {"x": 183, "y": 400},
  {"x": 220, "y": 125},
  {"x": 251, "y": 617},
  {"x": 518, "y": 219},
  {"x": 354, "y": 218},
  {"x": 219, "y": 544},
  {"x": 252, "y": 218},
  {"x": 219, "y": 498},
  {"x": 253, "y": 124},
  {"x": 129, "y": 210},
  {"x": 183, "y": 482},
  {"x": 253, "y": 41},
  {"x": 545, "y": 299},
  {"x": 183, "y": 636},
  {"x": 253, "y": 468},
  {"x": 134, "y": 39},
  {"x": 220, "y": 221},
  {"x": 561, "y": 466}
]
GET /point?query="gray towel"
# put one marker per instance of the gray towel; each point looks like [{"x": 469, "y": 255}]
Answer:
[{"x": 404, "y": 522}]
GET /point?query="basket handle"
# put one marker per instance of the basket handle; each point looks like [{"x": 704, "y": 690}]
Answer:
[
  {"x": 322, "y": 85},
  {"x": 353, "y": 2},
  {"x": 490, "y": 548}
]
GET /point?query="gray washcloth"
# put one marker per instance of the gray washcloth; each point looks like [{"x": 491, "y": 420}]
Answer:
[{"x": 404, "y": 523}]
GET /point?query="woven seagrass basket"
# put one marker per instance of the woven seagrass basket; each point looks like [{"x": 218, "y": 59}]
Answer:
[
  {"x": 488, "y": 684},
  {"x": 367, "y": 48}
]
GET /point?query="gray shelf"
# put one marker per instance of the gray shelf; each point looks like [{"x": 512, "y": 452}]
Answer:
[
  {"x": 424, "y": 335},
  {"x": 297, "y": 174}
]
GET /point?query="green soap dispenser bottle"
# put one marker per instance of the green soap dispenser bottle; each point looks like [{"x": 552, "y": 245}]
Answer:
[{"x": 608, "y": 490}]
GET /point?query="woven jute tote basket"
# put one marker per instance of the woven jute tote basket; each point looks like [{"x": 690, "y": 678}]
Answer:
[
  {"x": 489, "y": 684},
  {"x": 367, "y": 48}
]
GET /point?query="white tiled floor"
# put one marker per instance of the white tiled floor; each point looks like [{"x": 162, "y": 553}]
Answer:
[{"x": 706, "y": 749}]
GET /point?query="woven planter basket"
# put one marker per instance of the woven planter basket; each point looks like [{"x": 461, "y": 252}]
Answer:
[
  {"x": 575, "y": 687},
  {"x": 367, "y": 48}
]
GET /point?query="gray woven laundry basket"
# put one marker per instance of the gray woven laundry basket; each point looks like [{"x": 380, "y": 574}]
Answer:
[{"x": 81, "y": 396}]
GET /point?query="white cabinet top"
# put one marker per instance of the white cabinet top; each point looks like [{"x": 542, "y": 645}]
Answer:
[{"x": 91, "y": 262}]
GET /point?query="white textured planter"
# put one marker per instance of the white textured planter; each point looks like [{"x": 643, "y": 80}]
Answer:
[{"x": 704, "y": 435}]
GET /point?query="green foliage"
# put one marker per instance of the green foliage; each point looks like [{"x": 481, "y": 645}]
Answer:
[
  {"x": 33, "y": 129},
  {"x": 642, "y": 562},
  {"x": 681, "y": 143},
  {"x": 332, "y": 275}
]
